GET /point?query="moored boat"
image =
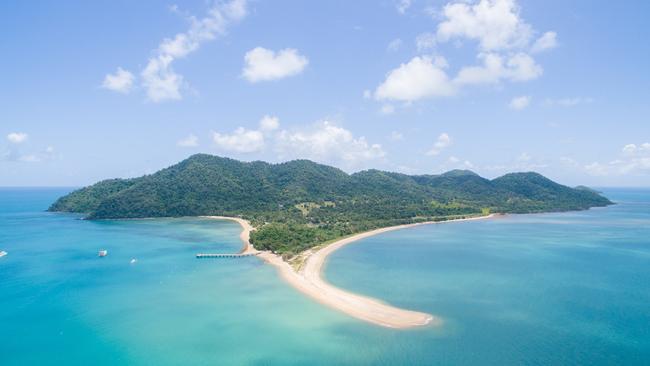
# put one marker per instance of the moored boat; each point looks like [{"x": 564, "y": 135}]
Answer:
[
  {"x": 3, "y": 253},
  {"x": 102, "y": 253}
]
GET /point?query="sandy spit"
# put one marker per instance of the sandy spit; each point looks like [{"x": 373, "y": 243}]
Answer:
[{"x": 308, "y": 280}]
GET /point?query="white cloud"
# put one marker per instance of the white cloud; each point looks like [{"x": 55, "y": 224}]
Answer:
[
  {"x": 633, "y": 149},
  {"x": 423, "y": 77},
  {"x": 456, "y": 163},
  {"x": 419, "y": 78},
  {"x": 634, "y": 159},
  {"x": 323, "y": 141},
  {"x": 517, "y": 67},
  {"x": 326, "y": 142},
  {"x": 519, "y": 103},
  {"x": 522, "y": 67},
  {"x": 244, "y": 140},
  {"x": 240, "y": 141},
  {"x": 495, "y": 24},
  {"x": 490, "y": 72},
  {"x": 597, "y": 169},
  {"x": 396, "y": 136},
  {"x": 159, "y": 79},
  {"x": 629, "y": 149},
  {"x": 443, "y": 142},
  {"x": 189, "y": 141},
  {"x": 425, "y": 41},
  {"x": 269, "y": 123},
  {"x": 394, "y": 45},
  {"x": 403, "y": 5},
  {"x": 263, "y": 64},
  {"x": 547, "y": 41},
  {"x": 17, "y": 137},
  {"x": 121, "y": 81},
  {"x": 504, "y": 46},
  {"x": 13, "y": 154},
  {"x": 440, "y": 62}
]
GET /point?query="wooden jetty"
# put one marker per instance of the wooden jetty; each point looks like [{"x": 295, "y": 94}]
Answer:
[{"x": 224, "y": 255}]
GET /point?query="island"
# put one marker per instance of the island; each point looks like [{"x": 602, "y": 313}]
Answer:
[{"x": 294, "y": 214}]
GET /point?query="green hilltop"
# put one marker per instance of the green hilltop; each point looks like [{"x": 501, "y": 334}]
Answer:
[{"x": 299, "y": 204}]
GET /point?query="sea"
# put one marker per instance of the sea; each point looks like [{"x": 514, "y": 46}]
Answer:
[{"x": 543, "y": 289}]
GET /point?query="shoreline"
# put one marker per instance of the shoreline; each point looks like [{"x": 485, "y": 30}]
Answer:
[{"x": 309, "y": 281}]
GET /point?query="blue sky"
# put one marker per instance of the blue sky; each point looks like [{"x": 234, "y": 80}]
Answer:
[{"x": 94, "y": 90}]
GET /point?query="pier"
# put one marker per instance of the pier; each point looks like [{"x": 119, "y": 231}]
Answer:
[{"x": 224, "y": 255}]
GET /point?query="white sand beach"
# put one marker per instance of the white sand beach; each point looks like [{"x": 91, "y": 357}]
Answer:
[{"x": 308, "y": 280}]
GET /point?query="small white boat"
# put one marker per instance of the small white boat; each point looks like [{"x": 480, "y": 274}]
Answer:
[
  {"x": 134, "y": 261},
  {"x": 102, "y": 253},
  {"x": 3, "y": 253}
]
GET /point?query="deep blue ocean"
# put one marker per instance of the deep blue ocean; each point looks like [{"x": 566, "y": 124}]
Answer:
[{"x": 549, "y": 289}]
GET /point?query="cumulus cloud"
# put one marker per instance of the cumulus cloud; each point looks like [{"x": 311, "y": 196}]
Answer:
[
  {"x": 244, "y": 140},
  {"x": 424, "y": 77},
  {"x": 159, "y": 80},
  {"x": 158, "y": 77},
  {"x": 495, "y": 24},
  {"x": 443, "y": 142},
  {"x": 504, "y": 52},
  {"x": 394, "y": 45},
  {"x": 262, "y": 64},
  {"x": 189, "y": 141},
  {"x": 17, "y": 137},
  {"x": 396, "y": 136},
  {"x": 403, "y": 5},
  {"x": 547, "y": 41},
  {"x": 633, "y": 149},
  {"x": 14, "y": 154},
  {"x": 633, "y": 159},
  {"x": 425, "y": 41},
  {"x": 419, "y": 78},
  {"x": 241, "y": 140},
  {"x": 269, "y": 123},
  {"x": 519, "y": 103},
  {"x": 326, "y": 142},
  {"x": 121, "y": 81},
  {"x": 597, "y": 169},
  {"x": 457, "y": 163},
  {"x": 323, "y": 141},
  {"x": 517, "y": 67}
]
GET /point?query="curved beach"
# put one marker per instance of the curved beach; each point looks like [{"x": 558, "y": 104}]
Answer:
[{"x": 309, "y": 281}]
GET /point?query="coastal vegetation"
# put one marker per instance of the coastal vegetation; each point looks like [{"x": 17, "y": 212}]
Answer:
[{"x": 299, "y": 204}]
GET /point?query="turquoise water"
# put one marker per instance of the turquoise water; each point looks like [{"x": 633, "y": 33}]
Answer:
[{"x": 569, "y": 288}]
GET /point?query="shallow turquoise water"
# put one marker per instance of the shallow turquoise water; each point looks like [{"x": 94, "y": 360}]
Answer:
[{"x": 570, "y": 288}]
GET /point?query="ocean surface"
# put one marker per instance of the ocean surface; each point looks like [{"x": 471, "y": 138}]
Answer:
[{"x": 549, "y": 289}]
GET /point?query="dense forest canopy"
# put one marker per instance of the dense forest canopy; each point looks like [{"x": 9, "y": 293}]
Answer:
[{"x": 299, "y": 204}]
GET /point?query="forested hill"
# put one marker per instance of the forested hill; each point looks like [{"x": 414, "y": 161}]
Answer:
[{"x": 323, "y": 201}]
